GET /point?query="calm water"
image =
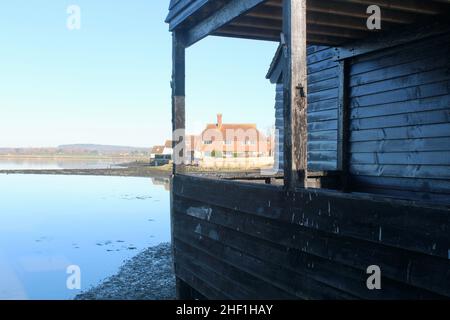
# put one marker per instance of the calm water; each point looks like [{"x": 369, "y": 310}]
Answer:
[
  {"x": 50, "y": 222},
  {"x": 55, "y": 164}
]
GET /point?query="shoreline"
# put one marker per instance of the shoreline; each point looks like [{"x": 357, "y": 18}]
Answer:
[
  {"x": 138, "y": 171},
  {"x": 147, "y": 276}
]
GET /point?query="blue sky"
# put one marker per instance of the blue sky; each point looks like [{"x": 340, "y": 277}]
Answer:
[{"x": 109, "y": 82}]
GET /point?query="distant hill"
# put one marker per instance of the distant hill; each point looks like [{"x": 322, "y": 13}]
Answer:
[
  {"x": 100, "y": 148},
  {"x": 79, "y": 149}
]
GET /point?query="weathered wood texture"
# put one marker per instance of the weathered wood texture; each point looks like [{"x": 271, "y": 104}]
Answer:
[
  {"x": 397, "y": 115},
  {"x": 400, "y": 120},
  {"x": 343, "y": 161},
  {"x": 243, "y": 241},
  {"x": 178, "y": 101},
  {"x": 279, "y": 126},
  {"x": 229, "y": 11},
  {"x": 329, "y": 22},
  {"x": 295, "y": 94},
  {"x": 323, "y": 82},
  {"x": 322, "y": 108}
]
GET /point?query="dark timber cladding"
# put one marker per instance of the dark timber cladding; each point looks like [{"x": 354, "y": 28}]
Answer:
[
  {"x": 324, "y": 76},
  {"x": 370, "y": 105},
  {"x": 237, "y": 240},
  {"x": 399, "y": 105}
]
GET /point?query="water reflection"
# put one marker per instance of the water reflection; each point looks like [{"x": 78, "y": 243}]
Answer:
[
  {"x": 50, "y": 222},
  {"x": 165, "y": 182},
  {"x": 55, "y": 164}
]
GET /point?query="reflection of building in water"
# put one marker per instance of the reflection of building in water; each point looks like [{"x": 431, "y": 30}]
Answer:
[{"x": 161, "y": 182}]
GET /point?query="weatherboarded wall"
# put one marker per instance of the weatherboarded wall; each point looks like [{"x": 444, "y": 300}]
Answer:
[
  {"x": 279, "y": 125},
  {"x": 253, "y": 241},
  {"x": 322, "y": 109},
  {"x": 400, "y": 120}
]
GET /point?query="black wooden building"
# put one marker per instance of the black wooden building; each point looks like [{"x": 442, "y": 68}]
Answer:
[{"x": 364, "y": 117}]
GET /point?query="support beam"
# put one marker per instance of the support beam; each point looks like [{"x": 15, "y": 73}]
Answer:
[
  {"x": 178, "y": 102},
  {"x": 232, "y": 10},
  {"x": 343, "y": 155},
  {"x": 295, "y": 94}
]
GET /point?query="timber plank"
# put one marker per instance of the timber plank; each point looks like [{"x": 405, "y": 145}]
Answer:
[
  {"x": 269, "y": 201},
  {"x": 334, "y": 246},
  {"x": 334, "y": 274}
]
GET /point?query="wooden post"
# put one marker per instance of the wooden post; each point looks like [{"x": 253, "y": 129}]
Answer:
[
  {"x": 178, "y": 119},
  {"x": 343, "y": 127},
  {"x": 295, "y": 94},
  {"x": 178, "y": 101}
]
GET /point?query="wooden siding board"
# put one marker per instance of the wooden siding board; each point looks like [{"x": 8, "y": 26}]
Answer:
[
  {"x": 417, "y": 184},
  {"x": 403, "y": 94},
  {"x": 365, "y": 186},
  {"x": 330, "y": 73},
  {"x": 330, "y": 260},
  {"x": 322, "y": 165},
  {"x": 411, "y": 249},
  {"x": 270, "y": 202},
  {"x": 402, "y": 171},
  {"x": 203, "y": 287},
  {"x": 400, "y": 120},
  {"x": 325, "y": 84},
  {"x": 322, "y": 145},
  {"x": 323, "y": 95},
  {"x": 398, "y": 71},
  {"x": 226, "y": 277},
  {"x": 322, "y": 106},
  {"x": 410, "y": 80},
  {"x": 322, "y": 125},
  {"x": 322, "y": 109},
  {"x": 279, "y": 125},
  {"x": 410, "y": 145},
  {"x": 329, "y": 135},
  {"x": 400, "y": 37},
  {"x": 412, "y": 158},
  {"x": 406, "y": 132},
  {"x": 398, "y": 55},
  {"x": 420, "y": 105},
  {"x": 234, "y": 247},
  {"x": 201, "y": 249}
]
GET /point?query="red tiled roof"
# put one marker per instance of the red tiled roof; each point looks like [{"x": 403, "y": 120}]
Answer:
[
  {"x": 168, "y": 144},
  {"x": 157, "y": 149}
]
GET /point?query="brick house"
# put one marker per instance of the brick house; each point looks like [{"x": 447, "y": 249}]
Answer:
[{"x": 233, "y": 140}]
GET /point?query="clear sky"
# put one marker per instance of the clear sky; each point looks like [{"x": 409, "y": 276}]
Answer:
[{"x": 109, "y": 82}]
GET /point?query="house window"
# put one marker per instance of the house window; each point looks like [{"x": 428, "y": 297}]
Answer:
[
  {"x": 248, "y": 142},
  {"x": 207, "y": 142}
]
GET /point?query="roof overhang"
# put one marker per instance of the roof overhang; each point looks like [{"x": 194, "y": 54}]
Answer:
[{"x": 332, "y": 22}]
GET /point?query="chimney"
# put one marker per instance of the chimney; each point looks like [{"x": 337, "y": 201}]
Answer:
[{"x": 219, "y": 120}]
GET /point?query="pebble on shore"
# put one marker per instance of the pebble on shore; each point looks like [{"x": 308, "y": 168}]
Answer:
[{"x": 147, "y": 276}]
